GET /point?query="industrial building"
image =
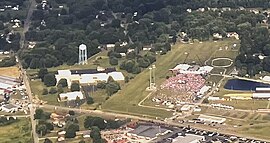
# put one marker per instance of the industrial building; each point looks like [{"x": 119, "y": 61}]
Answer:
[
  {"x": 211, "y": 119},
  {"x": 261, "y": 93},
  {"x": 89, "y": 76},
  {"x": 189, "y": 138},
  {"x": 70, "y": 96},
  {"x": 148, "y": 132}
]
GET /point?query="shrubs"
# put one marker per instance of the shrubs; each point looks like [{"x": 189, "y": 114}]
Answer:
[
  {"x": 101, "y": 85},
  {"x": 71, "y": 112},
  {"x": 75, "y": 87}
]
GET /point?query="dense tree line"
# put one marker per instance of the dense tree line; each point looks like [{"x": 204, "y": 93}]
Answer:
[
  {"x": 101, "y": 123},
  {"x": 10, "y": 39},
  {"x": 11, "y": 2},
  {"x": 59, "y": 31},
  {"x": 254, "y": 50}
]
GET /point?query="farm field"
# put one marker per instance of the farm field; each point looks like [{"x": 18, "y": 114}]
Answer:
[
  {"x": 10, "y": 71},
  {"x": 128, "y": 98}
]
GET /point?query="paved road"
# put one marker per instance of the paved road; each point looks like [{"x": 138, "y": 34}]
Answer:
[
  {"x": 31, "y": 107},
  {"x": 27, "y": 23},
  {"x": 169, "y": 122}
]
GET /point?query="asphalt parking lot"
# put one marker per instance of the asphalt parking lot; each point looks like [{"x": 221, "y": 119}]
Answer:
[{"x": 210, "y": 137}]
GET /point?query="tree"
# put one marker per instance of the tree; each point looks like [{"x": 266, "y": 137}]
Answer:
[
  {"x": 89, "y": 100},
  {"x": 75, "y": 86},
  {"x": 2, "y": 27},
  {"x": 136, "y": 69},
  {"x": 101, "y": 85},
  {"x": 143, "y": 62},
  {"x": 71, "y": 129},
  {"x": 49, "y": 80},
  {"x": 116, "y": 23},
  {"x": 41, "y": 129},
  {"x": 266, "y": 50},
  {"x": 113, "y": 61},
  {"x": 63, "y": 82},
  {"x": 47, "y": 141},
  {"x": 175, "y": 26},
  {"x": 111, "y": 124},
  {"x": 112, "y": 88},
  {"x": 49, "y": 126},
  {"x": 90, "y": 121},
  {"x": 60, "y": 89},
  {"x": 41, "y": 73},
  {"x": 95, "y": 135},
  {"x": 38, "y": 114}
]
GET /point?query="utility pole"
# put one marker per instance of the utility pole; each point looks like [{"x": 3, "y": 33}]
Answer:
[
  {"x": 154, "y": 76},
  {"x": 150, "y": 84}
]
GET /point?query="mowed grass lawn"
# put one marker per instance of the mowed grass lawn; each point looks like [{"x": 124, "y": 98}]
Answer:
[
  {"x": 128, "y": 98},
  {"x": 37, "y": 88},
  {"x": 19, "y": 131}
]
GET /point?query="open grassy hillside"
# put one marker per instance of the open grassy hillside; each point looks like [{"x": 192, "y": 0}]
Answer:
[{"x": 128, "y": 98}]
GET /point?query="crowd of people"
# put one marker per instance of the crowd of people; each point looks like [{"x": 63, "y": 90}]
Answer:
[{"x": 180, "y": 88}]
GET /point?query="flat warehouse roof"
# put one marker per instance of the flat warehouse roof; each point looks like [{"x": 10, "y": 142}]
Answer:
[
  {"x": 188, "y": 138},
  {"x": 261, "y": 95},
  {"x": 148, "y": 131},
  {"x": 92, "y": 71},
  {"x": 211, "y": 118}
]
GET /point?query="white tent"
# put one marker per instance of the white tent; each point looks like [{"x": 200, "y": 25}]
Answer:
[{"x": 181, "y": 67}]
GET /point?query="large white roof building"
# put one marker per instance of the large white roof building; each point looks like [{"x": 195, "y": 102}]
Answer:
[
  {"x": 71, "y": 95},
  {"x": 88, "y": 77},
  {"x": 188, "y": 69}
]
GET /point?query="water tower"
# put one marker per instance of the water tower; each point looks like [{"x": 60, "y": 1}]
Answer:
[{"x": 82, "y": 54}]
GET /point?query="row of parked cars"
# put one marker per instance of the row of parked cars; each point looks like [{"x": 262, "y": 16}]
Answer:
[{"x": 209, "y": 137}]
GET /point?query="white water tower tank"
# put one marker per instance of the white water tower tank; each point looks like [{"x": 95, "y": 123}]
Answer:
[{"x": 82, "y": 54}]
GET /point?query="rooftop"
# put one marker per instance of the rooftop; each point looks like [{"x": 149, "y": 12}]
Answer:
[
  {"x": 92, "y": 71},
  {"x": 148, "y": 131},
  {"x": 188, "y": 138}
]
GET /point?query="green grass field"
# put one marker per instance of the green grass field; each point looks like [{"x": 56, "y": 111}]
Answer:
[
  {"x": 37, "y": 87},
  {"x": 19, "y": 131},
  {"x": 221, "y": 62},
  {"x": 127, "y": 99}
]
